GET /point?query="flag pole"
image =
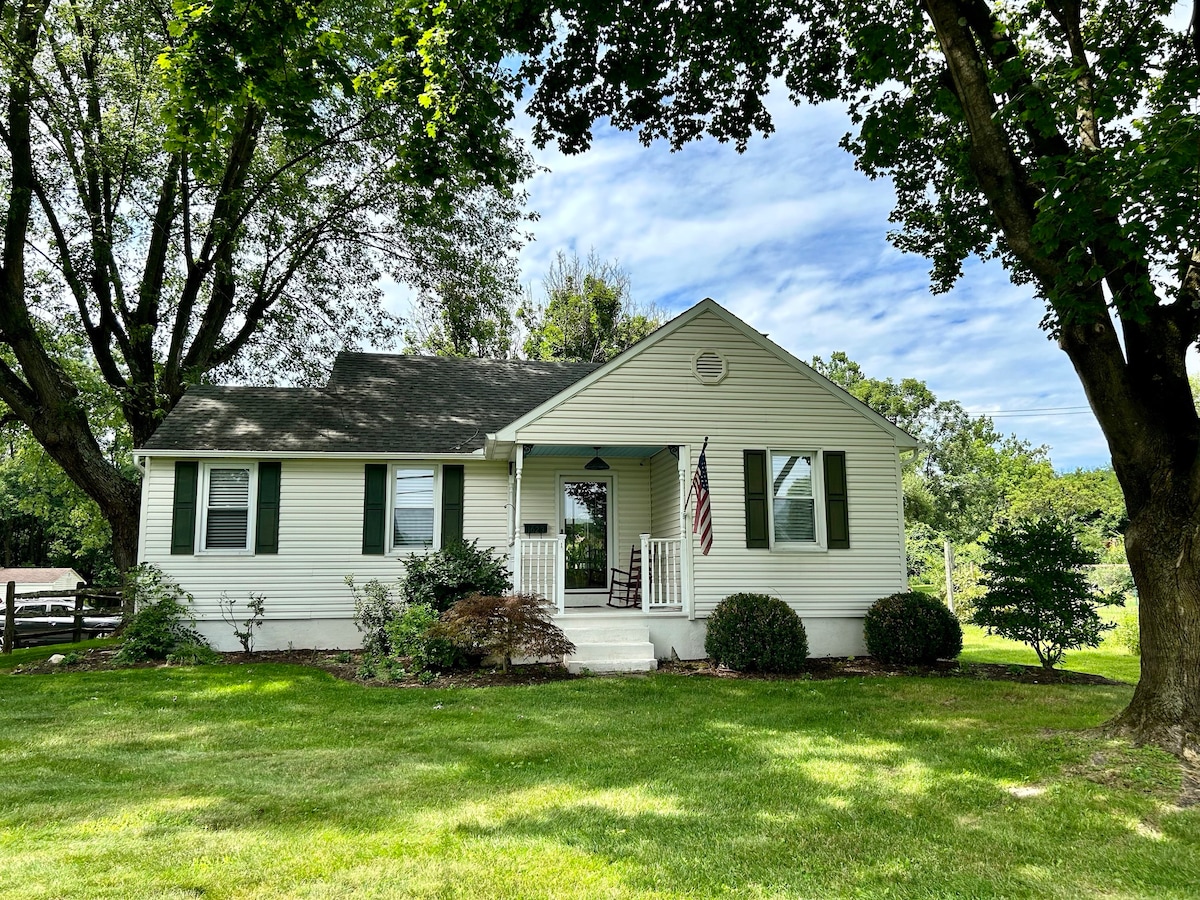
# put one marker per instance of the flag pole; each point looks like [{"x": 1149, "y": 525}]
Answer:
[{"x": 692, "y": 489}]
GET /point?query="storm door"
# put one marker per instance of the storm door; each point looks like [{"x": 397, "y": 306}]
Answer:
[{"x": 585, "y": 506}]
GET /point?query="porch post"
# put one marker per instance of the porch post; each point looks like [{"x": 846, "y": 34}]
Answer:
[
  {"x": 517, "y": 561},
  {"x": 647, "y": 582},
  {"x": 560, "y": 573},
  {"x": 685, "y": 534}
]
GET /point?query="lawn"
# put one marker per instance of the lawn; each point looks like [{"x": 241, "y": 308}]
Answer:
[
  {"x": 274, "y": 781},
  {"x": 1109, "y": 659}
]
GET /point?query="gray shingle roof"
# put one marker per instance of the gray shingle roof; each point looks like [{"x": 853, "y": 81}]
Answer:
[{"x": 373, "y": 403}]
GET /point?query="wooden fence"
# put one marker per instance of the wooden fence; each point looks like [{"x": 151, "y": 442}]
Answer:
[{"x": 109, "y": 598}]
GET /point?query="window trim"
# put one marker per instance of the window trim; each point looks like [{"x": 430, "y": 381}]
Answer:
[
  {"x": 820, "y": 544},
  {"x": 206, "y": 468},
  {"x": 393, "y": 549}
]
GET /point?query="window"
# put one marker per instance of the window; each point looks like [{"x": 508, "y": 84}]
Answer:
[
  {"x": 793, "y": 493},
  {"x": 227, "y": 507},
  {"x": 413, "y": 508}
]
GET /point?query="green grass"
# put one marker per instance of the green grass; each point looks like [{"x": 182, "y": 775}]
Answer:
[
  {"x": 274, "y": 781},
  {"x": 26, "y": 655},
  {"x": 1109, "y": 659}
]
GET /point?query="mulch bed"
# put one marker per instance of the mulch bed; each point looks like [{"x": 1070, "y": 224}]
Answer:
[{"x": 347, "y": 666}]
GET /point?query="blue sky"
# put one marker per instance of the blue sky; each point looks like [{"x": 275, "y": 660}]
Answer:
[{"x": 793, "y": 240}]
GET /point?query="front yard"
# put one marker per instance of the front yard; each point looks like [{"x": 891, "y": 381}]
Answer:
[{"x": 280, "y": 781}]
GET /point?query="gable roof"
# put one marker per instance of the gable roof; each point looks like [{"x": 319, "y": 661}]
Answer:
[
  {"x": 373, "y": 403},
  {"x": 903, "y": 439}
]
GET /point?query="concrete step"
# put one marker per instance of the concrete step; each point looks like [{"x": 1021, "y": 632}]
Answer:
[
  {"x": 605, "y": 633},
  {"x": 613, "y": 650},
  {"x": 575, "y": 666}
]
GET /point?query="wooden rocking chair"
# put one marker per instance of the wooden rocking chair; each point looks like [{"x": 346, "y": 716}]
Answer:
[{"x": 625, "y": 586}]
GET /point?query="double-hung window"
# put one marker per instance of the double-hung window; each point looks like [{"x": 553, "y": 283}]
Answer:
[
  {"x": 413, "y": 508},
  {"x": 794, "y": 497},
  {"x": 227, "y": 505}
]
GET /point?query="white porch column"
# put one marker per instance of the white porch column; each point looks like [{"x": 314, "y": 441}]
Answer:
[
  {"x": 520, "y": 463},
  {"x": 647, "y": 562},
  {"x": 560, "y": 573},
  {"x": 685, "y": 533}
]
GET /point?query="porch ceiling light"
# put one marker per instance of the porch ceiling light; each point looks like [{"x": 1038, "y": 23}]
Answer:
[{"x": 596, "y": 464}]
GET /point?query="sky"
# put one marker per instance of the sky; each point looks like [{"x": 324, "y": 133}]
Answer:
[{"x": 789, "y": 237}]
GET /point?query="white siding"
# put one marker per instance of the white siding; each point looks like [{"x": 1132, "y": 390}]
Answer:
[
  {"x": 763, "y": 402},
  {"x": 320, "y": 539},
  {"x": 664, "y": 495}
]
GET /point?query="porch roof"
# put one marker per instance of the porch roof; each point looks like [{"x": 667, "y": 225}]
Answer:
[{"x": 589, "y": 450}]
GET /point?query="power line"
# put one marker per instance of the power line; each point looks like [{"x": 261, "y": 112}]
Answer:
[{"x": 1029, "y": 409}]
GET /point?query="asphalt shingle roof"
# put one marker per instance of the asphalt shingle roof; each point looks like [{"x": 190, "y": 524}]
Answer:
[{"x": 373, "y": 403}]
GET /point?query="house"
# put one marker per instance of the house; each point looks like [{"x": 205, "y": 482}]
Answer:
[
  {"x": 563, "y": 468},
  {"x": 30, "y": 580}
]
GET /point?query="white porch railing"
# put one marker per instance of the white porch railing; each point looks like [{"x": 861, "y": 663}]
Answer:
[
  {"x": 540, "y": 567},
  {"x": 662, "y": 573}
]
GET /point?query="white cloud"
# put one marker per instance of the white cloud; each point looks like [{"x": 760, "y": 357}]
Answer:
[{"x": 792, "y": 239}]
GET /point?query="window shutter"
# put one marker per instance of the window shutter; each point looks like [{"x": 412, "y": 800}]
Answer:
[
  {"x": 374, "y": 508},
  {"x": 183, "y": 513},
  {"x": 837, "y": 512},
  {"x": 452, "y": 504},
  {"x": 266, "y": 531},
  {"x": 754, "y": 463}
]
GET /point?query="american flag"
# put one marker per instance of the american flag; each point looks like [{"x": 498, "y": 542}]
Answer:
[{"x": 702, "y": 520}]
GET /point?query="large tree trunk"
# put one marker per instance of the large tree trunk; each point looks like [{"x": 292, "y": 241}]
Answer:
[{"x": 1163, "y": 546}]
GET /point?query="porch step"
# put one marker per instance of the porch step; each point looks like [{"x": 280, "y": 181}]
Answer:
[{"x": 610, "y": 648}]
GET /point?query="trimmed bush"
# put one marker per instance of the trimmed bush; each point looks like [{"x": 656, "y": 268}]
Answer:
[
  {"x": 911, "y": 628},
  {"x": 442, "y": 578},
  {"x": 415, "y": 637},
  {"x": 756, "y": 633}
]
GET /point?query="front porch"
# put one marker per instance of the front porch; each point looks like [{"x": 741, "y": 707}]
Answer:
[{"x": 581, "y": 515}]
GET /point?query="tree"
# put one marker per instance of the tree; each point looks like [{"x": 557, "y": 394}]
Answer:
[
  {"x": 1036, "y": 591},
  {"x": 587, "y": 314},
  {"x": 214, "y": 189},
  {"x": 965, "y": 473},
  {"x": 1059, "y": 137}
]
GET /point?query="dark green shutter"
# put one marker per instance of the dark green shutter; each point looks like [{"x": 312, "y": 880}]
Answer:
[
  {"x": 183, "y": 513},
  {"x": 374, "y": 508},
  {"x": 837, "y": 512},
  {"x": 452, "y": 504},
  {"x": 266, "y": 528},
  {"x": 754, "y": 464}
]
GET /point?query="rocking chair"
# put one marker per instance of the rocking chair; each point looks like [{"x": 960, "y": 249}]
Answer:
[{"x": 625, "y": 586}]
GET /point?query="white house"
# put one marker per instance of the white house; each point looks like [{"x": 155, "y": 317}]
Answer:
[{"x": 563, "y": 468}]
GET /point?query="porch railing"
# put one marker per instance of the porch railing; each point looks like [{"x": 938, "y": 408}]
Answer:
[
  {"x": 662, "y": 573},
  {"x": 540, "y": 567}
]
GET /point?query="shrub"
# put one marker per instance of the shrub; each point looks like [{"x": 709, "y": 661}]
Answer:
[
  {"x": 243, "y": 631},
  {"x": 756, "y": 633},
  {"x": 162, "y": 624},
  {"x": 911, "y": 628},
  {"x": 1128, "y": 633},
  {"x": 414, "y": 635},
  {"x": 193, "y": 655},
  {"x": 442, "y": 578},
  {"x": 375, "y": 606},
  {"x": 1037, "y": 591},
  {"x": 508, "y": 626}
]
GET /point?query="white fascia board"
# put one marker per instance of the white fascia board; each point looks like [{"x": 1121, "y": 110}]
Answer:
[
  {"x": 903, "y": 439},
  {"x": 304, "y": 454}
]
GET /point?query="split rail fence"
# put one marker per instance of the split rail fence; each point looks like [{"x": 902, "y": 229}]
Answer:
[{"x": 106, "y": 599}]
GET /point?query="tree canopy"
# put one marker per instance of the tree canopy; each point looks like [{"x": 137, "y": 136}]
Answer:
[{"x": 216, "y": 188}]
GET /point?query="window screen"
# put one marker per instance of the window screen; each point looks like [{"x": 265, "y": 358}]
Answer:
[
  {"x": 227, "y": 523},
  {"x": 412, "y": 520}
]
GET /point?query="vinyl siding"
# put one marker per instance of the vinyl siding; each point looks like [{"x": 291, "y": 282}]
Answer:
[
  {"x": 320, "y": 539},
  {"x": 664, "y": 495},
  {"x": 763, "y": 402}
]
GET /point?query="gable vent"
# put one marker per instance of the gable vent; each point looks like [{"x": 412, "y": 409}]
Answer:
[{"x": 709, "y": 366}]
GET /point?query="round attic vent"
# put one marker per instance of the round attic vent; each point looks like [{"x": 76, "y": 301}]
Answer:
[{"x": 709, "y": 366}]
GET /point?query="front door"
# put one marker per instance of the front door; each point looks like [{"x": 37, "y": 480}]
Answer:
[{"x": 585, "y": 505}]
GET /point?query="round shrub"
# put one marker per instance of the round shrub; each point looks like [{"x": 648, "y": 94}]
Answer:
[
  {"x": 756, "y": 633},
  {"x": 910, "y": 628}
]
